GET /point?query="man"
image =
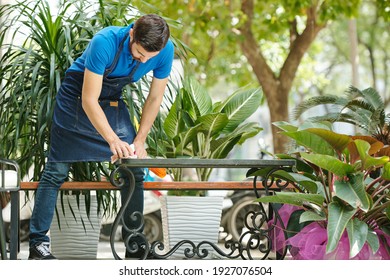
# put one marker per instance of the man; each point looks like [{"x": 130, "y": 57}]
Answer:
[{"x": 91, "y": 121}]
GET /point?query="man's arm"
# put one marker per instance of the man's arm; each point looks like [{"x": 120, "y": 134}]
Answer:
[
  {"x": 92, "y": 87},
  {"x": 149, "y": 114}
]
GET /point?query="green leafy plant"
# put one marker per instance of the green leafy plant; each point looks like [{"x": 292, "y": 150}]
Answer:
[
  {"x": 333, "y": 184},
  {"x": 198, "y": 128},
  {"x": 364, "y": 109},
  {"x": 37, "y": 48}
]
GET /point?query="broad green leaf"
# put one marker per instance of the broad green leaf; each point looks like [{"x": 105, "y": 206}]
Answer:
[
  {"x": 262, "y": 172},
  {"x": 240, "y": 106},
  {"x": 285, "y": 126},
  {"x": 386, "y": 171},
  {"x": 353, "y": 191},
  {"x": 357, "y": 235},
  {"x": 298, "y": 199},
  {"x": 311, "y": 216},
  {"x": 305, "y": 136},
  {"x": 315, "y": 124},
  {"x": 329, "y": 163},
  {"x": 310, "y": 141},
  {"x": 368, "y": 161},
  {"x": 338, "y": 141},
  {"x": 173, "y": 124},
  {"x": 309, "y": 184},
  {"x": 212, "y": 124},
  {"x": 301, "y": 165},
  {"x": 221, "y": 147},
  {"x": 375, "y": 144},
  {"x": 247, "y": 130},
  {"x": 375, "y": 162},
  {"x": 198, "y": 101},
  {"x": 338, "y": 218},
  {"x": 294, "y": 224},
  {"x": 373, "y": 240},
  {"x": 184, "y": 138}
]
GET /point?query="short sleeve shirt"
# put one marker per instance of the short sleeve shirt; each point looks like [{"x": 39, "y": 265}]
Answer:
[{"x": 100, "y": 53}]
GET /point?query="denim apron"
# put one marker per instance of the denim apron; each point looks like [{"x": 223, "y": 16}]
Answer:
[{"x": 73, "y": 137}]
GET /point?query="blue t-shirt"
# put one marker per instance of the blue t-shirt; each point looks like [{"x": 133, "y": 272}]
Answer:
[{"x": 101, "y": 50}]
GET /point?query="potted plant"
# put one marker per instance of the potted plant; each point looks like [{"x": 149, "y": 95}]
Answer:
[
  {"x": 341, "y": 210},
  {"x": 37, "y": 49},
  {"x": 196, "y": 127}
]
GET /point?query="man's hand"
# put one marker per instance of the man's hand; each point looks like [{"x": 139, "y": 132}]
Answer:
[
  {"x": 120, "y": 149},
  {"x": 139, "y": 148}
]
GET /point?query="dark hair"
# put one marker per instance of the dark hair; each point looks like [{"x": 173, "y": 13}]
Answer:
[{"x": 151, "y": 32}]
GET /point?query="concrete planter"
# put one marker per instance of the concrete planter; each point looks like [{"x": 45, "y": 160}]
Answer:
[
  {"x": 190, "y": 218},
  {"x": 76, "y": 236}
]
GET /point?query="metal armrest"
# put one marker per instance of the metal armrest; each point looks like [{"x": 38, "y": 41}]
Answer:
[
  {"x": 9, "y": 175},
  {"x": 10, "y": 182}
]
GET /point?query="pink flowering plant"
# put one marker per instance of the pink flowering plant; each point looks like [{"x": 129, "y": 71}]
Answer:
[{"x": 340, "y": 205}]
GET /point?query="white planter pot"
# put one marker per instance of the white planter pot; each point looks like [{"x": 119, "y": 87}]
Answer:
[
  {"x": 190, "y": 218},
  {"x": 78, "y": 237}
]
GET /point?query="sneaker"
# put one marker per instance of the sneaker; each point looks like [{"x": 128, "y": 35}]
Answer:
[{"x": 41, "y": 251}]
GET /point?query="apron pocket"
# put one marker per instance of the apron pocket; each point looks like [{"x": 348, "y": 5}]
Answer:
[{"x": 110, "y": 109}]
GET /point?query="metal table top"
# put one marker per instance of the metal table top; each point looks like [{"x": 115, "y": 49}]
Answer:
[{"x": 205, "y": 163}]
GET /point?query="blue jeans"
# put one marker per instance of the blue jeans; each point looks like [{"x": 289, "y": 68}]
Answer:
[{"x": 53, "y": 177}]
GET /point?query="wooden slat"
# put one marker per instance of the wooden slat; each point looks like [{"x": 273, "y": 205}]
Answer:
[
  {"x": 228, "y": 185},
  {"x": 72, "y": 186}
]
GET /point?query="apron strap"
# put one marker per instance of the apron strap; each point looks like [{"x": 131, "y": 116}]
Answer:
[
  {"x": 133, "y": 70},
  {"x": 116, "y": 58}
]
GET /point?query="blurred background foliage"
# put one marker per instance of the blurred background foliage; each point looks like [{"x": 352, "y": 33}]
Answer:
[
  {"x": 293, "y": 49},
  {"x": 348, "y": 37}
]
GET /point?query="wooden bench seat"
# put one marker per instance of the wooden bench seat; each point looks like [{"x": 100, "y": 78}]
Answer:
[{"x": 177, "y": 185}]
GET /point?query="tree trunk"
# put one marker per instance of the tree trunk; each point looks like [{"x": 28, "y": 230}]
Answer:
[
  {"x": 277, "y": 88},
  {"x": 277, "y": 102}
]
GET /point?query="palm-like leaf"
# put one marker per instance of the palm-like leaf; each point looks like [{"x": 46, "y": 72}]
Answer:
[
  {"x": 369, "y": 95},
  {"x": 31, "y": 73},
  {"x": 362, "y": 108},
  {"x": 317, "y": 101}
]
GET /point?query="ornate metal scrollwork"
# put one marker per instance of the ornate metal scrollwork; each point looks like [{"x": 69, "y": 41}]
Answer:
[
  {"x": 117, "y": 178},
  {"x": 193, "y": 250},
  {"x": 255, "y": 243},
  {"x": 274, "y": 220}
]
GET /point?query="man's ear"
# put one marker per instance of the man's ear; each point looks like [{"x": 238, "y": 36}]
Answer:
[{"x": 131, "y": 32}]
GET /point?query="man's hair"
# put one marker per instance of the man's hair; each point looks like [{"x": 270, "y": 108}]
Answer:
[{"x": 151, "y": 32}]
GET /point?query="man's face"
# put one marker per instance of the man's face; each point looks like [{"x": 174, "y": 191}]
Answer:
[{"x": 139, "y": 53}]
